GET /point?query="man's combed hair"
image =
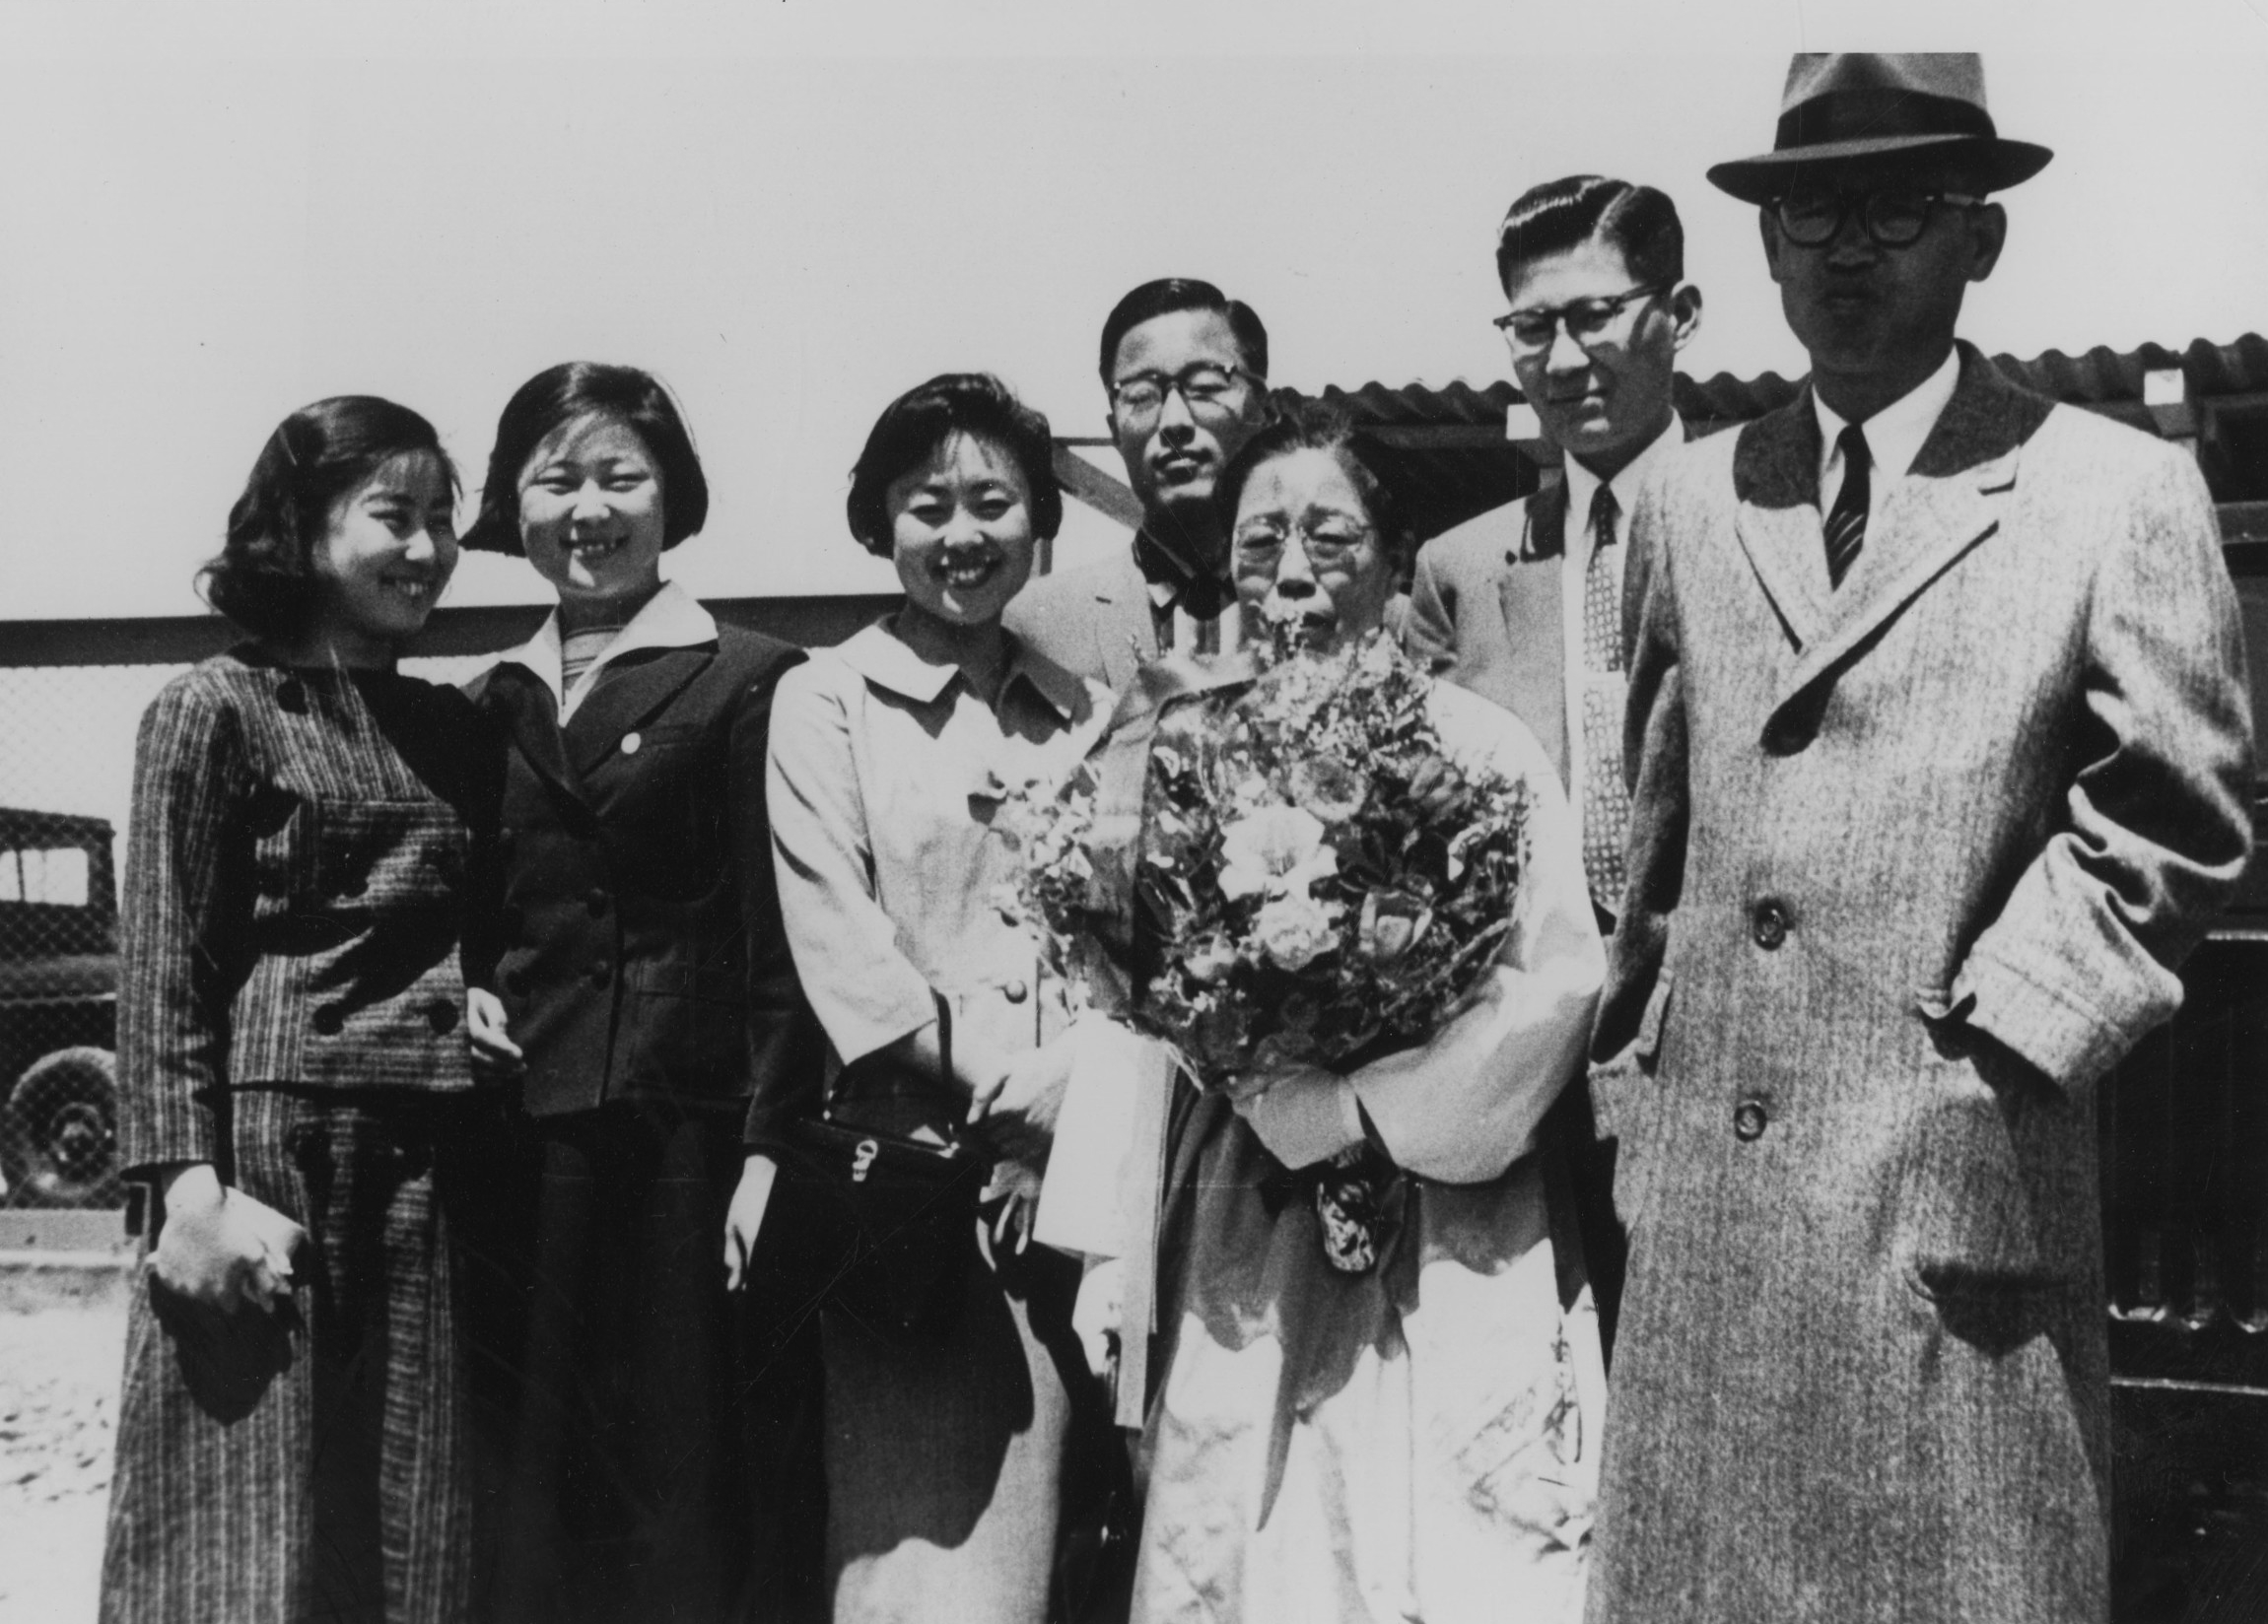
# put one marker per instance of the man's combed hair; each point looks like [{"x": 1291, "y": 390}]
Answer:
[
  {"x": 916, "y": 426},
  {"x": 1179, "y": 292},
  {"x": 266, "y": 578},
  {"x": 1638, "y": 222}
]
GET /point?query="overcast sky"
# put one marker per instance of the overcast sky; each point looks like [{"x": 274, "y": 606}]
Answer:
[{"x": 792, "y": 211}]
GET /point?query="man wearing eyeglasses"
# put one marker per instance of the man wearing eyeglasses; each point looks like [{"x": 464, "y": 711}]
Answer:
[
  {"x": 1523, "y": 605},
  {"x": 1185, "y": 368},
  {"x": 1941, "y": 750}
]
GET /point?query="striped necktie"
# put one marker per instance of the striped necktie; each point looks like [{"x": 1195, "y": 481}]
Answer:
[
  {"x": 1846, "y": 527},
  {"x": 1605, "y": 802}
]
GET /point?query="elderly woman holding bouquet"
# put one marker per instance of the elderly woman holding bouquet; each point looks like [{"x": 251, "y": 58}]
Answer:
[{"x": 1381, "y": 1381}]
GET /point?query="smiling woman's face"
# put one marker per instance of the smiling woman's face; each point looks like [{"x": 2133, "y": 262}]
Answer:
[
  {"x": 590, "y": 513},
  {"x": 961, "y": 531},
  {"x": 387, "y": 552}
]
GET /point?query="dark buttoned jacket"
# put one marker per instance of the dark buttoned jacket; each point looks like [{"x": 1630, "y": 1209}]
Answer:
[
  {"x": 296, "y": 872},
  {"x": 642, "y": 954}
]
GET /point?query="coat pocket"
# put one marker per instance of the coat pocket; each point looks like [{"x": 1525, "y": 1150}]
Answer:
[
  {"x": 370, "y": 856},
  {"x": 1996, "y": 1165},
  {"x": 1622, "y": 1080}
]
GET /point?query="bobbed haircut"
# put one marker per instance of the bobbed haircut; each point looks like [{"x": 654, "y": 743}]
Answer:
[
  {"x": 264, "y": 579},
  {"x": 1638, "y": 222},
  {"x": 914, "y": 427},
  {"x": 1312, "y": 426},
  {"x": 564, "y": 394},
  {"x": 1179, "y": 292}
]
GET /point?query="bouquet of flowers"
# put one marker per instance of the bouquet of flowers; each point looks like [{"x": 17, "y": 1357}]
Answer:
[{"x": 1314, "y": 878}]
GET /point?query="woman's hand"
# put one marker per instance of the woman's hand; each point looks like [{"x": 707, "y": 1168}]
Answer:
[
  {"x": 219, "y": 1247},
  {"x": 494, "y": 1057},
  {"x": 1303, "y": 1113},
  {"x": 1024, "y": 1097},
  {"x": 1095, "y": 1315},
  {"x": 745, "y": 1217},
  {"x": 1019, "y": 1182}
]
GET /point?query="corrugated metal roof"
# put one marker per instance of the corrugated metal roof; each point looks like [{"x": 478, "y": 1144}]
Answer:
[{"x": 1444, "y": 452}]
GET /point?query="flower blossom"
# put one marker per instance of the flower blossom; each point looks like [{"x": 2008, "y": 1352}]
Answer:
[
  {"x": 1275, "y": 852},
  {"x": 1295, "y": 931}
]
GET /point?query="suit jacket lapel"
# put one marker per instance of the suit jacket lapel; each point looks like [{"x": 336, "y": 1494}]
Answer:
[
  {"x": 1776, "y": 478},
  {"x": 629, "y": 691},
  {"x": 1950, "y": 502},
  {"x": 533, "y": 720},
  {"x": 1528, "y": 593}
]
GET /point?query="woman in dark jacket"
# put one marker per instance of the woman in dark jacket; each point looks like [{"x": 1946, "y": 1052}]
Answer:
[
  {"x": 292, "y": 1425},
  {"x": 643, "y": 989}
]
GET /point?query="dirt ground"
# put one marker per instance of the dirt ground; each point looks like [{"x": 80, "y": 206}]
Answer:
[{"x": 58, "y": 1412}]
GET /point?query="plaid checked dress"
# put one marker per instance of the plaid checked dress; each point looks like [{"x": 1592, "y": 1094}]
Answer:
[{"x": 290, "y": 1003}]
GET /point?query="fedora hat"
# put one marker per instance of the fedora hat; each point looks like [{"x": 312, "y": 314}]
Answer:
[{"x": 1840, "y": 107}]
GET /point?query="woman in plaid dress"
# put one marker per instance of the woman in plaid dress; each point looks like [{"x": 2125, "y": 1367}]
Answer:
[{"x": 295, "y": 1088}]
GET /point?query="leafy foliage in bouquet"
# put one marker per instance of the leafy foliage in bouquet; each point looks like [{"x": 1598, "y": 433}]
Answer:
[{"x": 1315, "y": 878}]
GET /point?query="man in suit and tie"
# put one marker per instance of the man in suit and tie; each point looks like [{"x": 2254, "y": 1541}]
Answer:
[
  {"x": 1940, "y": 743},
  {"x": 1186, "y": 370},
  {"x": 1523, "y": 604}
]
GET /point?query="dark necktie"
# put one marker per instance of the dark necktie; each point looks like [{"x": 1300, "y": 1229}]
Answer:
[
  {"x": 1846, "y": 527},
  {"x": 1605, "y": 802}
]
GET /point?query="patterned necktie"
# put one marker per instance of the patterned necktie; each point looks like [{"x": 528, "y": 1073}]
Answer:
[
  {"x": 1846, "y": 527},
  {"x": 1605, "y": 802}
]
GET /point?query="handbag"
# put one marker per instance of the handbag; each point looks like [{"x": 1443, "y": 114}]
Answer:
[{"x": 899, "y": 1213}]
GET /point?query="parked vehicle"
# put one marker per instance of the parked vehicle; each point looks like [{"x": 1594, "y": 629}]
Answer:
[{"x": 59, "y": 1010}]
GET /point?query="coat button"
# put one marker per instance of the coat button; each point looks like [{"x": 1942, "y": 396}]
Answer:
[
  {"x": 629, "y": 744},
  {"x": 1749, "y": 1120},
  {"x": 596, "y": 901},
  {"x": 329, "y": 1020},
  {"x": 517, "y": 983},
  {"x": 1769, "y": 924},
  {"x": 354, "y": 885},
  {"x": 442, "y": 1014},
  {"x": 292, "y": 696},
  {"x": 600, "y": 973},
  {"x": 1015, "y": 992}
]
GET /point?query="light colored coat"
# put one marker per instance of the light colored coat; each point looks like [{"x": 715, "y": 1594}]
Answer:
[
  {"x": 1484, "y": 612},
  {"x": 1912, "y": 865},
  {"x": 1094, "y": 621}
]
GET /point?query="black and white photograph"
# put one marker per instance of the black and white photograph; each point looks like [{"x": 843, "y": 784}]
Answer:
[{"x": 999, "y": 813}]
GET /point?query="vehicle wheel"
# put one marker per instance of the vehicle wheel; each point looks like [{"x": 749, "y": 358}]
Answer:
[{"x": 59, "y": 1134}]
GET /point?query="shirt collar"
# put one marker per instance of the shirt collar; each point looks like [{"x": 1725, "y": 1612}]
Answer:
[
  {"x": 877, "y": 654},
  {"x": 1171, "y": 577},
  {"x": 1896, "y": 433},
  {"x": 671, "y": 618},
  {"x": 1583, "y": 484}
]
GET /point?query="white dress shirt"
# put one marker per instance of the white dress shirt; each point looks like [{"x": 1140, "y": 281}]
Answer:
[
  {"x": 671, "y": 618},
  {"x": 1582, "y": 487},
  {"x": 1894, "y": 436}
]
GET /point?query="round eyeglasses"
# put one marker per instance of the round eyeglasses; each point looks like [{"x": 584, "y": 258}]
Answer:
[
  {"x": 1210, "y": 390},
  {"x": 1894, "y": 217},
  {"x": 1529, "y": 332},
  {"x": 1330, "y": 543}
]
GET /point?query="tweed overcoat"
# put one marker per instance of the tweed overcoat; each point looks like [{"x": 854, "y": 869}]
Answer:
[{"x": 1913, "y": 863}]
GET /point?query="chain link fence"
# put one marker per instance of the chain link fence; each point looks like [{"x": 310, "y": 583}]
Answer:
[{"x": 71, "y": 698}]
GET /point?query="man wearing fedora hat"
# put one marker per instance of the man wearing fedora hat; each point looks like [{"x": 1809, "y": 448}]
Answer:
[{"x": 1940, "y": 747}]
